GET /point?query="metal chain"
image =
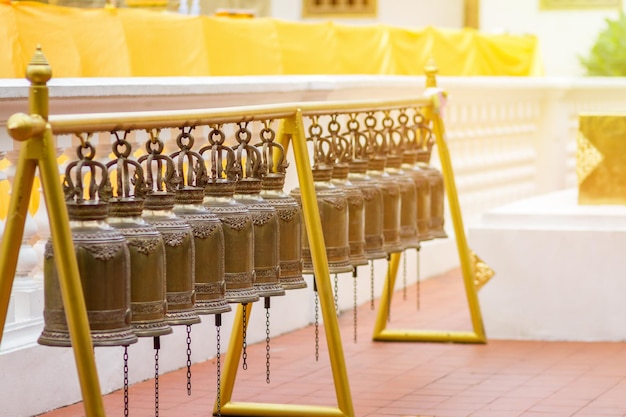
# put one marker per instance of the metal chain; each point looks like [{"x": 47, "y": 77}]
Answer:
[
  {"x": 404, "y": 275},
  {"x": 354, "y": 312},
  {"x": 372, "y": 307},
  {"x": 336, "y": 295},
  {"x": 267, "y": 340},
  {"x": 218, "y": 324},
  {"x": 418, "y": 278},
  {"x": 126, "y": 381},
  {"x": 157, "y": 346},
  {"x": 188, "y": 359},
  {"x": 317, "y": 317},
  {"x": 244, "y": 355}
]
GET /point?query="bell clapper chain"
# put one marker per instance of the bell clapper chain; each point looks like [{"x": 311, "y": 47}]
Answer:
[
  {"x": 125, "y": 380},
  {"x": 189, "y": 359},
  {"x": 372, "y": 307},
  {"x": 157, "y": 345},
  {"x": 404, "y": 275},
  {"x": 317, "y": 317},
  {"x": 354, "y": 310},
  {"x": 417, "y": 268},
  {"x": 218, "y": 325},
  {"x": 244, "y": 323},
  {"x": 267, "y": 340}
]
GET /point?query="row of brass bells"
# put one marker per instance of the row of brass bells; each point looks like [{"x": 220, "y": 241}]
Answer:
[
  {"x": 235, "y": 217},
  {"x": 208, "y": 236},
  {"x": 176, "y": 233},
  {"x": 288, "y": 212},
  {"x": 145, "y": 244},
  {"x": 372, "y": 194},
  {"x": 435, "y": 179},
  {"x": 103, "y": 261},
  {"x": 409, "y": 236},
  {"x": 342, "y": 155},
  {"x": 264, "y": 218},
  {"x": 333, "y": 209},
  {"x": 388, "y": 185}
]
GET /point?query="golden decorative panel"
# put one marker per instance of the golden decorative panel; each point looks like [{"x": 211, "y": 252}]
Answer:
[
  {"x": 579, "y": 4},
  {"x": 601, "y": 159},
  {"x": 339, "y": 8}
]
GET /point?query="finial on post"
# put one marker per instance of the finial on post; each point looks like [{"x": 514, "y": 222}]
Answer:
[
  {"x": 431, "y": 71},
  {"x": 38, "y": 71}
]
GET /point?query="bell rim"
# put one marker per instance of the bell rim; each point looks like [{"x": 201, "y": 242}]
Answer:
[
  {"x": 293, "y": 282},
  {"x": 269, "y": 289},
  {"x": 152, "y": 329},
  {"x": 181, "y": 318},
  {"x": 206, "y": 307},
  {"x": 99, "y": 338}
]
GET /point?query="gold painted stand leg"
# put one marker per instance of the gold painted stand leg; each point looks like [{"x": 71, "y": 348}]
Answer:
[
  {"x": 38, "y": 150},
  {"x": 294, "y": 129},
  {"x": 410, "y": 335}
]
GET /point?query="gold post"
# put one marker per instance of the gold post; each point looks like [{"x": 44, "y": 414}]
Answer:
[
  {"x": 433, "y": 113},
  {"x": 39, "y": 150},
  {"x": 293, "y": 128},
  {"x": 471, "y": 15}
]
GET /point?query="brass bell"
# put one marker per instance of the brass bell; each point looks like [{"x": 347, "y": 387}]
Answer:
[
  {"x": 333, "y": 208},
  {"x": 208, "y": 236},
  {"x": 102, "y": 256},
  {"x": 248, "y": 192},
  {"x": 435, "y": 178},
  {"x": 388, "y": 186},
  {"x": 176, "y": 233},
  {"x": 342, "y": 155},
  {"x": 147, "y": 252},
  {"x": 419, "y": 176},
  {"x": 287, "y": 210},
  {"x": 372, "y": 194},
  {"x": 408, "y": 192},
  {"x": 235, "y": 217}
]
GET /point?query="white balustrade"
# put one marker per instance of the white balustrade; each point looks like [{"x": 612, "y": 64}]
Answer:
[{"x": 509, "y": 138}]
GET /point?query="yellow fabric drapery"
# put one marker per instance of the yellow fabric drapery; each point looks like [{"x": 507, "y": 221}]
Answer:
[{"x": 125, "y": 43}]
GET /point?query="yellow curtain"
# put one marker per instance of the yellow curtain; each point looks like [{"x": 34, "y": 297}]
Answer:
[
  {"x": 242, "y": 46},
  {"x": 126, "y": 42},
  {"x": 308, "y": 48},
  {"x": 164, "y": 44},
  {"x": 364, "y": 49}
]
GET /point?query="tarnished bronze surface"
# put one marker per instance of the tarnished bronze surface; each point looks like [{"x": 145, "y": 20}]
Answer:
[
  {"x": 340, "y": 158},
  {"x": 235, "y": 217},
  {"x": 408, "y": 202},
  {"x": 287, "y": 211},
  {"x": 176, "y": 233},
  {"x": 437, "y": 193},
  {"x": 103, "y": 261},
  {"x": 422, "y": 186},
  {"x": 372, "y": 209},
  {"x": 333, "y": 207},
  {"x": 391, "y": 204},
  {"x": 147, "y": 252},
  {"x": 206, "y": 228},
  {"x": 264, "y": 218}
]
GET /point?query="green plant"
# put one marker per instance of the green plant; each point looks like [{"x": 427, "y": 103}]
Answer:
[{"x": 608, "y": 55}]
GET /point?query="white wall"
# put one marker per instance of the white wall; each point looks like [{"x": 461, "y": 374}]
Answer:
[
  {"x": 408, "y": 13},
  {"x": 563, "y": 35}
]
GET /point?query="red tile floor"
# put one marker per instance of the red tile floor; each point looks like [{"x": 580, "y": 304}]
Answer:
[{"x": 499, "y": 379}]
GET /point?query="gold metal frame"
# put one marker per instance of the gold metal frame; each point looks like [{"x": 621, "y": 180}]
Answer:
[
  {"x": 35, "y": 131},
  {"x": 467, "y": 259}
]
